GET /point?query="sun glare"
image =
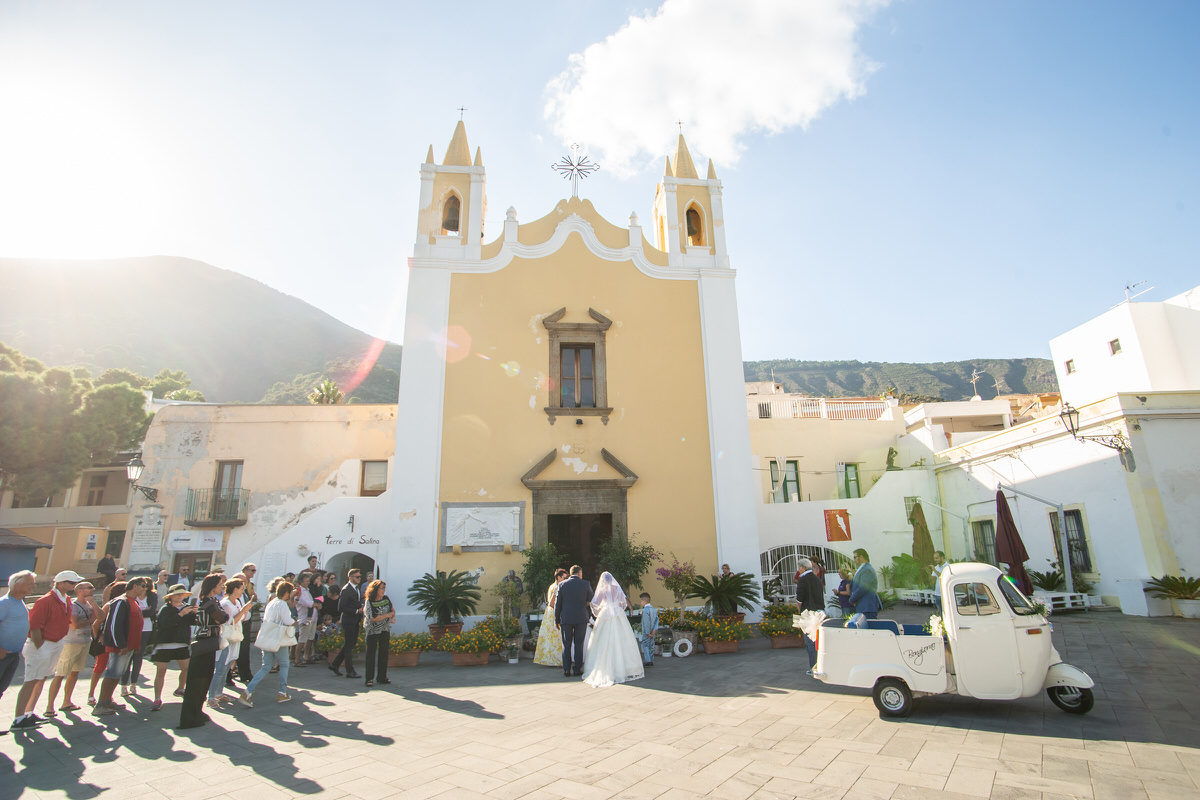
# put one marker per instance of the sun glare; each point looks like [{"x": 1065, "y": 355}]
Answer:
[{"x": 80, "y": 176}]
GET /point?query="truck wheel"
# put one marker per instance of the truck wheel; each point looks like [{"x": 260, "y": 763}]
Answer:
[
  {"x": 892, "y": 697},
  {"x": 1072, "y": 699}
]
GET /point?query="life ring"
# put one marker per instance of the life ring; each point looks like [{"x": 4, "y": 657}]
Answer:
[{"x": 683, "y": 648}]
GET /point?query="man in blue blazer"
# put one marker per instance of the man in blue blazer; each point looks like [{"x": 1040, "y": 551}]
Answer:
[
  {"x": 572, "y": 612},
  {"x": 864, "y": 588}
]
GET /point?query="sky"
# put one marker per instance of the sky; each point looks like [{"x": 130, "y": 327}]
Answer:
[{"x": 913, "y": 180}]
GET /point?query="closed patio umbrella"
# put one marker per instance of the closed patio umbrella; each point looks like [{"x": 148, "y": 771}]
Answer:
[
  {"x": 1009, "y": 547},
  {"x": 922, "y": 548}
]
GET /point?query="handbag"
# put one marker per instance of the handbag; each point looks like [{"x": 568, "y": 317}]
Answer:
[
  {"x": 203, "y": 641},
  {"x": 96, "y": 647},
  {"x": 270, "y": 637}
]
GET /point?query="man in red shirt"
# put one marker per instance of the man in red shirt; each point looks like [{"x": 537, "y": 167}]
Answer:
[
  {"x": 49, "y": 621},
  {"x": 122, "y": 636}
]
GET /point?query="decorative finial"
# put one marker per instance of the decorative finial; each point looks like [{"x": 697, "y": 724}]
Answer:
[
  {"x": 680, "y": 124},
  {"x": 574, "y": 167},
  {"x": 461, "y": 110}
]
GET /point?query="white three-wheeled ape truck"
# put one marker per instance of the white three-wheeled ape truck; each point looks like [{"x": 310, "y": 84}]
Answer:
[{"x": 994, "y": 646}]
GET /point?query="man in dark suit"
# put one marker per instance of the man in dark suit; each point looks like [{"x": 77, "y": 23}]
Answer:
[
  {"x": 810, "y": 594},
  {"x": 572, "y": 612},
  {"x": 350, "y": 607},
  {"x": 184, "y": 576}
]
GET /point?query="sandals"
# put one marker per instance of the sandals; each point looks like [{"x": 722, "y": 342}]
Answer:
[
  {"x": 49, "y": 712},
  {"x": 370, "y": 683},
  {"x": 70, "y": 707},
  {"x": 385, "y": 680}
]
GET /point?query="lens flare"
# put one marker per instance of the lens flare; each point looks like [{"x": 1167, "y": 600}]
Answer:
[
  {"x": 511, "y": 368},
  {"x": 453, "y": 344}
]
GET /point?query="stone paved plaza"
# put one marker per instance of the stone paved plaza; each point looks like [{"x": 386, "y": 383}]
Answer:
[{"x": 727, "y": 726}]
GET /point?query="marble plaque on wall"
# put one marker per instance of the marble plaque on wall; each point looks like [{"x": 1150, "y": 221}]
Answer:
[{"x": 483, "y": 526}]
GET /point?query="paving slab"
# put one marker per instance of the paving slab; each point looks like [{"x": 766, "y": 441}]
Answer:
[{"x": 738, "y": 726}]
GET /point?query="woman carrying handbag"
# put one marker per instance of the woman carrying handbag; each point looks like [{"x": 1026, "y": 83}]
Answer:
[
  {"x": 203, "y": 650},
  {"x": 275, "y": 637}
]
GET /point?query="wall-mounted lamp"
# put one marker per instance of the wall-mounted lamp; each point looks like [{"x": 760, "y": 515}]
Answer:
[
  {"x": 133, "y": 471},
  {"x": 1070, "y": 420},
  {"x": 578, "y": 422},
  {"x": 302, "y": 550}
]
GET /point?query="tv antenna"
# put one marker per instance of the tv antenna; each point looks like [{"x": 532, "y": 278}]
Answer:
[{"x": 1129, "y": 287}]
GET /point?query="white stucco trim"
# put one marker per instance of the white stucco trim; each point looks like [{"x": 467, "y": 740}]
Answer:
[
  {"x": 412, "y": 523},
  {"x": 696, "y": 267},
  {"x": 728, "y": 427}
]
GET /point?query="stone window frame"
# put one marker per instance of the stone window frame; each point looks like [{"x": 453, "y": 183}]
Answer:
[{"x": 578, "y": 333}]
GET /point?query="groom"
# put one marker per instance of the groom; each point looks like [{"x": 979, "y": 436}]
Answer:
[{"x": 571, "y": 613}]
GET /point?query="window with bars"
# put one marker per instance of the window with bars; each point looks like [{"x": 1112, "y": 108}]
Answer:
[
  {"x": 1081, "y": 556},
  {"x": 983, "y": 531},
  {"x": 785, "y": 487}
]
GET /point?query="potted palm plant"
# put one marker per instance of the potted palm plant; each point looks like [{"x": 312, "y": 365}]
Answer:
[
  {"x": 1184, "y": 591},
  {"x": 724, "y": 593},
  {"x": 446, "y": 598}
]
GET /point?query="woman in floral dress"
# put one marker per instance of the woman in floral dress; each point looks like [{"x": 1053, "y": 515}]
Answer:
[{"x": 549, "y": 643}]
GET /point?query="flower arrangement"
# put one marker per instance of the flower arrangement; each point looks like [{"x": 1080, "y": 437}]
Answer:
[
  {"x": 404, "y": 642},
  {"x": 781, "y": 611},
  {"x": 503, "y": 627},
  {"x": 480, "y": 639},
  {"x": 723, "y": 630},
  {"x": 778, "y": 626},
  {"x": 671, "y": 618},
  {"x": 332, "y": 642},
  {"x": 936, "y": 626},
  {"x": 677, "y": 578}
]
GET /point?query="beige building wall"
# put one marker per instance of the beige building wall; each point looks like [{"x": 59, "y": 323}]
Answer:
[{"x": 295, "y": 459}]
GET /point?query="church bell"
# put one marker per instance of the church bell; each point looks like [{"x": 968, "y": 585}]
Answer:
[{"x": 450, "y": 223}]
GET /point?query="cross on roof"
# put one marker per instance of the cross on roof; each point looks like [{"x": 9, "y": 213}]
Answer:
[{"x": 574, "y": 167}]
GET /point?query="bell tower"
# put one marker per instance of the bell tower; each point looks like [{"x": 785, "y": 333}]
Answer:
[
  {"x": 689, "y": 222},
  {"x": 453, "y": 202}
]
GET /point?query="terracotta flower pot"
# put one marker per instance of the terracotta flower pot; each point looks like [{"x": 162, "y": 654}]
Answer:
[
  {"x": 710, "y": 648},
  {"x": 408, "y": 658},
  {"x": 786, "y": 640},
  {"x": 438, "y": 631},
  {"x": 469, "y": 659}
]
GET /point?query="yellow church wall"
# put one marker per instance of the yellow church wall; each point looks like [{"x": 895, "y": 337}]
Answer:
[{"x": 494, "y": 425}]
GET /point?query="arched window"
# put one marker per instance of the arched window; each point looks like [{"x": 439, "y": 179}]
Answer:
[
  {"x": 695, "y": 227},
  {"x": 451, "y": 213}
]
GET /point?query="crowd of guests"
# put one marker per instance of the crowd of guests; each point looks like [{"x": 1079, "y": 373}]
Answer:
[{"x": 205, "y": 627}]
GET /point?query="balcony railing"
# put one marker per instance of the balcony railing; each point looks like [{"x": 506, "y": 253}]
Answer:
[
  {"x": 815, "y": 408},
  {"x": 217, "y": 508}
]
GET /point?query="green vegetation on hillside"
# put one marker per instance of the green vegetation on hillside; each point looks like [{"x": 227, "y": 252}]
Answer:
[
  {"x": 381, "y": 385},
  {"x": 54, "y": 423},
  {"x": 949, "y": 380}
]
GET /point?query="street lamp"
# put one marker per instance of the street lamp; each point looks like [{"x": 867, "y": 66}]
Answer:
[
  {"x": 133, "y": 471},
  {"x": 1070, "y": 421}
]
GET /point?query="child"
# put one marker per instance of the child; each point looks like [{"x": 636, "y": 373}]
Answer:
[
  {"x": 649, "y": 629},
  {"x": 843, "y": 592}
]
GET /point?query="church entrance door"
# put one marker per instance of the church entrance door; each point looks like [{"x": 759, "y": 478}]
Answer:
[
  {"x": 577, "y": 538},
  {"x": 342, "y": 563}
]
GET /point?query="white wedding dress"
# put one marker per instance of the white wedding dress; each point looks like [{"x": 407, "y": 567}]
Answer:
[{"x": 612, "y": 654}]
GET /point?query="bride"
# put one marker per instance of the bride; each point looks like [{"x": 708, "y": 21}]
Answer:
[{"x": 613, "y": 655}]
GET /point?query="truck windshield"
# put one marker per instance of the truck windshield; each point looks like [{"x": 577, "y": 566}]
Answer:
[{"x": 1016, "y": 600}]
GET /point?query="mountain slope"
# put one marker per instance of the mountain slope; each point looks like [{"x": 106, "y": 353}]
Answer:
[
  {"x": 950, "y": 380},
  {"x": 234, "y": 336}
]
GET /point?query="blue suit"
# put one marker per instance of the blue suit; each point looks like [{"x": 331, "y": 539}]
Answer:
[
  {"x": 649, "y": 629},
  {"x": 864, "y": 594}
]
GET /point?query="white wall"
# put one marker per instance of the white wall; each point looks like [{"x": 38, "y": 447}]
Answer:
[{"x": 878, "y": 521}]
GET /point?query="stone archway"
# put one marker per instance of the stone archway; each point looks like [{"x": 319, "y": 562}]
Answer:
[{"x": 343, "y": 562}]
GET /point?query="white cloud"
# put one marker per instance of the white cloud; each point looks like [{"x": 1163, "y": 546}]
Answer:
[{"x": 724, "y": 68}]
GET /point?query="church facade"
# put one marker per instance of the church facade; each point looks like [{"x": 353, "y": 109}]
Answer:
[{"x": 531, "y": 407}]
